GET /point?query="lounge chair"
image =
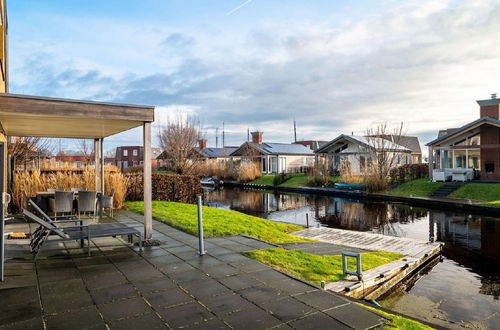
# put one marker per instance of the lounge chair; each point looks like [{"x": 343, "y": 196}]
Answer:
[{"x": 75, "y": 233}]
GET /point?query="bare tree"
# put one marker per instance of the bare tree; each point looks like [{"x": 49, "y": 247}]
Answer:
[
  {"x": 26, "y": 149},
  {"x": 179, "y": 138},
  {"x": 85, "y": 148},
  {"x": 385, "y": 151}
]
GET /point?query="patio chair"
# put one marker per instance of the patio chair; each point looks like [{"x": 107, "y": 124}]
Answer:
[
  {"x": 62, "y": 202},
  {"x": 75, "y": 233},
  {"x": 77, "y": 189},
  {"x": 87, "y": 202},
  {"x": 107, "y": 202}
]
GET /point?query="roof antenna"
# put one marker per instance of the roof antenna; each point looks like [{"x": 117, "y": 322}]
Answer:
[
  {"x": 248, "y": 134},
  {"x": 216, "y": 137},
  {"x": 223, "y": 136},
  {"x": 295, "y": 130}
]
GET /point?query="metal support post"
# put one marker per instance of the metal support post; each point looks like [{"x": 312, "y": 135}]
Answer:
[{"x": 201, "y": 244}]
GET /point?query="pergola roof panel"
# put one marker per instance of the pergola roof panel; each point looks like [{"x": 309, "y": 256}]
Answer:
[{"x": 22, "y": 115}]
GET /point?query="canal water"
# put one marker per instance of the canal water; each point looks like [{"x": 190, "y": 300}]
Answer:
[{"x": 462, "y": 291}]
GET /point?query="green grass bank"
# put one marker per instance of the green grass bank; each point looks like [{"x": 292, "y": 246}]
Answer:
[{"x": 217, "y": 222}]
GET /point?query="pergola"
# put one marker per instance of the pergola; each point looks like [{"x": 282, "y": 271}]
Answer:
[{"x": 23, "y": 115}]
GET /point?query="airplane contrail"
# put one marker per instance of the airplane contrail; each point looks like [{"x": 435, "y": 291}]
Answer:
[{"x": 232, "y": 11}]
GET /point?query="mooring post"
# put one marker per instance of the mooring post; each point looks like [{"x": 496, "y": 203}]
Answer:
[
  {"x": 307, "y": 220},
  {"x": 201, "y": 244}
]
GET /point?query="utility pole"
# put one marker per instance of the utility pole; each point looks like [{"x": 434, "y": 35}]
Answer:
[
  {"x": 248, "y": 134},
  {"x": 223, "y": 135},
  {"x": 216, "y": 137},
  {"x": 295, "y": 130}
]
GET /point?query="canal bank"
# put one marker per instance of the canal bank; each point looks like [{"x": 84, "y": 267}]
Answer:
[
  {"x": 461, "y": 291},
  {"x": 440, "y": 203}
]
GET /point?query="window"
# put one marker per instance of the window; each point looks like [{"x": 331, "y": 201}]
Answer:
[
  {"x": 125, "y": 164},
  {"x": 79, "y": 164},
  {"x": 264, "y": 165},
  {"x": 489, "y": 167},
  {"x": 134, "y": 152},
  {"x": 125, "y": 153},
  {"x": 141, "y": 163},
  {"x": 282, "y": 164},
  {"x": 274, "y": 164},
  {"x": 362, "y": 163}
]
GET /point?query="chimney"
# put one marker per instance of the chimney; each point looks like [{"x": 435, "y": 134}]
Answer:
[
  {"x": 203, "y": 143},
  {"x": 490, "y": 108},
  {"x": 257, "y": 137}
]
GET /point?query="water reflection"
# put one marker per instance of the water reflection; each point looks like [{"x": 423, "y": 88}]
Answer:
[{"x": 472, "y": 243}]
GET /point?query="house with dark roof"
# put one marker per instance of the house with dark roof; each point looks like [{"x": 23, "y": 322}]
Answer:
[
  {"x": 356, "y": 151},
  {"x": 275, "y": 157},
  {"x": 213, "y": 153},
  {"x": 473, "y": 147},
  {"x": 410, "y": 142}
]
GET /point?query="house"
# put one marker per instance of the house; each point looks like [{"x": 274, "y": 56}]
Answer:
[
  {"x": 275, "y": 157},
  {"x": 410, "y": 142},
  {"x": 312, "y": 144},
  {"x": 128, "y": 156},
  {"x": 205, "y": 153},
  {"x": 474, "y": 147},
  {"x": 357, "y": 151},
  {"x": 78, "y": 161}
]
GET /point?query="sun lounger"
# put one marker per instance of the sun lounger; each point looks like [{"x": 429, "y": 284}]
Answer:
[{"x": 75, "y": 233}]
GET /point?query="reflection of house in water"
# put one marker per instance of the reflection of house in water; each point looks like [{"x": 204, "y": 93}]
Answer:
[
  {"x": 380, "y": 217},
  {"x": 256, "y": 202}
]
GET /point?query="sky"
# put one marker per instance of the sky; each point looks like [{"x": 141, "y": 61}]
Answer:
[{"x": 336, "y": 67}]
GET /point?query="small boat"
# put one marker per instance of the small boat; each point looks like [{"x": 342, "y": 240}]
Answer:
[
  {"x": 350, "y": 186},
  {"x": 211, "y": 182}
]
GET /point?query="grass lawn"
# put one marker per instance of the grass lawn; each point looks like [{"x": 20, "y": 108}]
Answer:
[
  {"x": 266, "y": 179},
  {"x": 420, "y": 188},
  {"x": 314, "y": 268},
  {"x": 487, "y": 192},
  {"x": 296, "y": 180},
  {"x": 400, "y": 322},
  {"x": 217, "y": 222}
]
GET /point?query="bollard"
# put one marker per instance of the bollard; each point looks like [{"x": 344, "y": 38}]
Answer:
[
  {"x": 201, "y": 244},
  {"x": 307, "y": 220}
]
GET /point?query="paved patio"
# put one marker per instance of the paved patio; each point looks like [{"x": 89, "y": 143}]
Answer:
[{"x": 167, "y": 286}]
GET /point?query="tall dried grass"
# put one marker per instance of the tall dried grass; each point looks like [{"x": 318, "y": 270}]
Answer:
[
  {"x": 347, "y": 175},
  {"x": 34, "y": 181},
  {"x": 242, "y": 171}
]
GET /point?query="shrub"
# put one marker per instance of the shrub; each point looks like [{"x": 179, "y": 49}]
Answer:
[
  {"x": 319, "y": 175},
  {"x": 249, "y": 171},
  {"x": 34, "y": 181},
  {"x": 165, "y": 187},
  {"x": 134, "y": 169},
  {"x": 242, "y": 171}
]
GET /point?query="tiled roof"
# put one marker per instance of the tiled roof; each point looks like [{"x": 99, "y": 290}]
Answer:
[
  {"x": 217, "y": 152},
  {"x": 481, "y": 120},
  {"x": 268, "y": 148},
  {"x": 366, "y": 141}
]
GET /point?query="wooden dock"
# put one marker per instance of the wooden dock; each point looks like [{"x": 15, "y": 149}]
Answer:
[{"x": 377, "y": 281}]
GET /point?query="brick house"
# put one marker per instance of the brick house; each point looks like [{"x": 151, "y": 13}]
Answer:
[
  {"x": 128, "y": 156},
  {"x": 474, "y": 146}
]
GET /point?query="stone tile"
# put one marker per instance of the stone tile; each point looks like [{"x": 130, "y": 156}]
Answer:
[
  {"x": 57, "y": 275},
  {"x": 141, "y": 322},
  {"x": 269, "y": 275},
  {"x": 188, "y": 277},
  {"x": 262, "y": 293},
  {"x": 321, "y": 300},
  {"x": 205, "y": 288},
  {"x": 292, "y": 287},
  {"x": 71, "y": 300},
  {"x": 33, "y": 323},
  {"x": 287, "y": 309},
  {"x": 252, "y": 318},
  {"x": 318, "y": 321},
  {"x": 167, "y": 298},
  {"x": 62, "y": 287},
  {"x": 203, "y": 262},
  {"x": 101, "y": 281},
  {"x": 221, "y": 271},
  {"x": 180, "y": 249},
  {"x": 148, "y": 254},
  {"x": 232, "y": 258},
  {"x": 85, "y": 318},
  {"x": 227, "y": 304},
  {"x": 219, "y": 251},
  {"x": 239, "y": 282},
  {"x": 185, "y": 315},
  {"x": 151, "y": 285},
  {"x": 111, "y": 293},
  {"x": 355, "y": 316},
  {"x": 123, "y": 308},
  {"x": 249, "y": 265},
  {"x": 177, "y": 268},
  {"x": 165, "y": 260},
  {"x": 15, "y": 308},
  {"x": 186, "y": 256},
  {"x": 210, "y": 324}
]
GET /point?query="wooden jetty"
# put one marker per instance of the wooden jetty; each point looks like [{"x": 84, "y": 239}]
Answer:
[{"x": 377, "y": 281}]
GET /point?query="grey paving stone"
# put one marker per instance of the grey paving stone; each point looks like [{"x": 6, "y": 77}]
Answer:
[
  {"x": 269, "y": 275},
  {"x": 185, "y": 315},
  {"x": 355, "y": 316},
  {"x": 249, "y": 265},
  {"x": 180, "y": 249},
  {"x": 291, "y": 286},
  {"x": 232, "y": 257},
  {"x": 111, "y": 293},
  {"x": 204, "y": 262},
  {"x": 151, "y": 285},
  {"x": 188, "y": 277},
  {"x": 167, "y": 298},
  {"x": 78, "y": 319},
  {"x": 25, "y": 307},
  {"x": 252, "y": 318},
  {"x": 227, "y": 304},
  {"x": 321, "y": 300},
  {"x": 101, "y": 281},
  {"x": 164, "y": 260},
  {"x": 124, "y": 308},
  {"x": 262, "y": 293},
  {"x": 176, "y": 268},
  {"x": 219, "y": 251},
  {"x": 220, "y": 271},
  {"x": 212, "y": 324},
  {"x": 287, "y": 309},
  {"x": 154, "y": 253},
  {"x": 65, "y": 302},
  {"x": 239, "y": 282},
  {"x": 53, "y": 275},
  {"x": 33, "y": 323},
  {"x": 318, "y": 321},
  {"x": 141, "y": 322},
  {"x": 205, "y": 288}
]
